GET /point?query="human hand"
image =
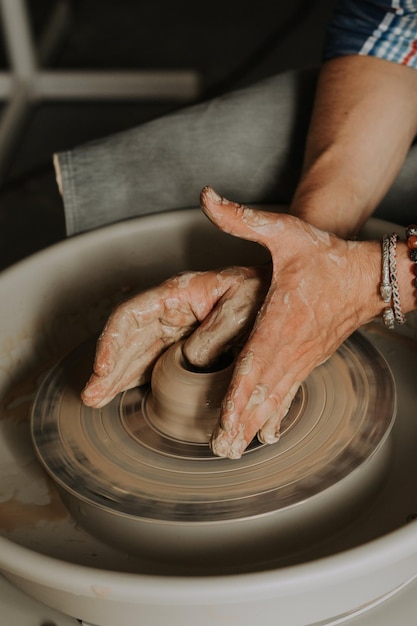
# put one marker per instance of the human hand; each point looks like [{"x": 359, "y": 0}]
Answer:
[
  {"x": 318, "y": 295},
  {"x": 217, "y": 308},
  {"x": 322, "y": 289}
]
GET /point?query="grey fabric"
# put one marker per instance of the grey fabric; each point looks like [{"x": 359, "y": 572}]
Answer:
[{"x": 247, "y": 144}]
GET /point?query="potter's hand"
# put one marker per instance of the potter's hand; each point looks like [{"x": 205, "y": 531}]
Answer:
[
  {"x": 322, "y": 289},
  {"x": 219, "y": 306}
]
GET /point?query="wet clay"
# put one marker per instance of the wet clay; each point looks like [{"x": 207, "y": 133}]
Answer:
[{"x": 185, "y": 403}]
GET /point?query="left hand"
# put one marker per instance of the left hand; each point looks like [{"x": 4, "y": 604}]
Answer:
[
  {"x": 322, "y": 289},
  {"x": 213, "y": 309}
]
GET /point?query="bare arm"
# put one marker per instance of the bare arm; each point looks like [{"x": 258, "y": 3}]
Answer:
[{"x": 363, "y": 123}]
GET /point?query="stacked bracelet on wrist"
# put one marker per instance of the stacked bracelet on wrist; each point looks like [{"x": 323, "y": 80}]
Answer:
[{"x": 389, "y": 285}]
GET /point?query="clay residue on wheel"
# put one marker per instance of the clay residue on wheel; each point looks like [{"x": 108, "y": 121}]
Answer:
[{"x": 15, "y": 514}]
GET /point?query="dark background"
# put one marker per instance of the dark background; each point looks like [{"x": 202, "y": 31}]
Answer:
[{"x": 229, "y": 43}]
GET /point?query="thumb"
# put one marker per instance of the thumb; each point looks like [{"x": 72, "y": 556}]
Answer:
[{"x": 239, "y": 220}]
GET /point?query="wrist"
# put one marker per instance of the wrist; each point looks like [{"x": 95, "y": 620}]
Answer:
[
  {"x": 367, "y": 263},
  {"x": 366, "y": 266},
  {"x": 330, "y": 209}
]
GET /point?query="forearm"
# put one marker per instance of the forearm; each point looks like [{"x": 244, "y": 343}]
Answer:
[{"x": 363, "y": 123}]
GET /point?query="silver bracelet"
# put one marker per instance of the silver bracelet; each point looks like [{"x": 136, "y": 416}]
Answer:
[
  {"x": 385, "y": 288},
  {"x": 389, "y": 282},
  {"x": 396, "y": 303}
]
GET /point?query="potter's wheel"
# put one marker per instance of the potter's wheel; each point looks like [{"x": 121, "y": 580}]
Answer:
[
  {"x": 368, "y": 555},
  {"x": 160, "y": 493}
]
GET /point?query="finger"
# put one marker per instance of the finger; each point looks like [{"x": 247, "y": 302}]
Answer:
[
  {"x": 137, "y": 332},
  {"x": 231, "y": 319},
  {"x": 213, "y": 337},
  {"x": 260, "y": 395},
  {"x": 266, "y": 377},
  {"x": 239, "y": 220},
  {"x": 262, "y": 416},
  {"x": 135, "y": 370},
  {"x": 270, "y": 432},
  {"x": 129, "y": 324},
  {"x": 129, "y": 359},
  {"x": 260, "y": 407}
]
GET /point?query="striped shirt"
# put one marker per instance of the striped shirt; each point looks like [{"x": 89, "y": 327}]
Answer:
[{"x": 381, "y": 28}]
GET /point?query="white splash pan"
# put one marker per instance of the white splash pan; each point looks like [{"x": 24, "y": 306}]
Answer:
[{"x": 56, "y": 299}]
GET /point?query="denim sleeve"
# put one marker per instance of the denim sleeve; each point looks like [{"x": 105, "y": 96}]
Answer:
[{"x": 381, "y": 28}]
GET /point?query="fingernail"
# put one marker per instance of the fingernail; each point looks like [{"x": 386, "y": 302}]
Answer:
[
  {"x": 214, "y": 196},
  {"x": 220, "y": 444},
  {"x": 268, "y": 437}
]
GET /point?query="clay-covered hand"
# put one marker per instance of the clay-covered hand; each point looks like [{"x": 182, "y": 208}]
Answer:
[
  {"x": 219, "y": 306},
  {"x": 322, "y": 289}
]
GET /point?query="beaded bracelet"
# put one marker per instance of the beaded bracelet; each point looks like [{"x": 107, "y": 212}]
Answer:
[{"x": 411, "y": 234}]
